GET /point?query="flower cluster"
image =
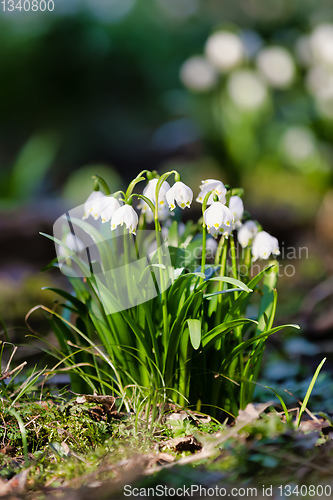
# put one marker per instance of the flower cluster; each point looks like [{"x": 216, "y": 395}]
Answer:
[{"x": 222, "y": 212}]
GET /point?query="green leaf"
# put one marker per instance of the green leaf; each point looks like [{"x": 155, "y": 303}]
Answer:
[
  {"x": 232, "y": 281},
  {"x": 194, "y": 326},
  {"x": 209, "y": 296},
  {"x": 269, "y": 299},
  {"x": 283, "y": 404},
  {"x": 222, "y": 329},
  {"x": 173, "y": 234},
  {"x": 81, "y": 308},
  {"x": 308, "y": 392}
]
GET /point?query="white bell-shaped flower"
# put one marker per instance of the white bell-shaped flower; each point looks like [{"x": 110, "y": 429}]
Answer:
[
  {"x": 264, "y": 245},
  {"x": 93, "y": 204},
  {"x": 237, "y": 209},
  {"x": 150, "y": 192},
  {"x": 125, "y": 215},
  {"x": 180, "y": 194},
  {"x": 109, "y": 207},
  {"x": 217, "y": 187},
  {"x": 218, "y": 219},
  {"x": 246, "y": 233}
]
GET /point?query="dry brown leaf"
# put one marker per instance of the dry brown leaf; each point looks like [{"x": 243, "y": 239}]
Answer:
[
  {"x": 180, "y": 444},
  {"x": 16, "y": 484}
]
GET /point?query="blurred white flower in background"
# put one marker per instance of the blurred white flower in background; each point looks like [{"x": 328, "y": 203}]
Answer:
[
  {"x": 298, "y": 144},
  {"x": 276, "y": 66},
  {"x": 321, "y": 43},
  {"x": 198, "y": 74},
  {"x": 166, "y": 227},
  {"x": 247, "y": 89},
  {"x": 217, "y": 187},
  {"x": 237, "y": 209},
  {"x": 74, "y": 244},
  {"x": 264, "y": 245},
  {"x": 224, "y": 50},
  {"x": 319, "y": 81},
  {"x": 246, "y": 233},
  {"x": 163, "y": 212}
]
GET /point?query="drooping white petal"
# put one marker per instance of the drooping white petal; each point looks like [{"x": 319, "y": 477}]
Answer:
[
  {"x": 217, "y": 187},
  {"x": 180, "y": 194},
  {"x": 246, "y": 233},
  {"x": 93, "y": 204},
  {"x": 125, "y": 215},
  {"x": 218, "y": 219},
  {"x": 264, "y": 245},
  {"x": 150, "y": 192},
  {"x": 110, "y": 205}
]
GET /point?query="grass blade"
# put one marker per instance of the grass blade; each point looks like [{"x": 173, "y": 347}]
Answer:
[{"x": 308, "y": 392}]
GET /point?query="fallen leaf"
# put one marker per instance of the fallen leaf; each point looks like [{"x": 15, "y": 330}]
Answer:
[{"x": 180, "y": 444}]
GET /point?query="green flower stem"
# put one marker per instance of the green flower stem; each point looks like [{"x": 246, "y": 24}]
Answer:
[
  {"x": 159, "y": 241},
  {"x": 233, "y": 260},
  {"x": 247, "y": 260},
  {"x": 158, "y": 188},
  {"x": 102, "y": 183},
  {"x": 164, "y": 304},
  {"x": 203, "y": 253},
  {"x": 184, "y": 360},
  {"x": 238, "y": 330},
  {"x": 134, "y": 182},
  {"x": 223, "y": 264},
  {"x": 219, "y": 251}
]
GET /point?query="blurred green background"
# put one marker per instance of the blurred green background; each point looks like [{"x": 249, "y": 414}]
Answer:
[{"x": 236, "y": 90}]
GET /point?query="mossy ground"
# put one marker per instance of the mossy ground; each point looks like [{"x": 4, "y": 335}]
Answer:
[{"x": 80, "y": 449}]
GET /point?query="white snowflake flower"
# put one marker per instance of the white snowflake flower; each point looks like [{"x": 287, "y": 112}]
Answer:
[
  {"x": 125, "y": 215},
  {"x": 217, "y": 187},
  {"x": 180, "y": 194}
]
